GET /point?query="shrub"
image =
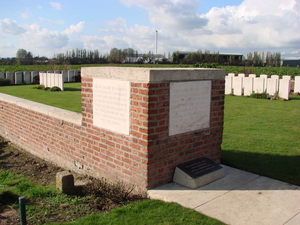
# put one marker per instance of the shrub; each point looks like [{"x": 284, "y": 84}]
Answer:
[
  {"x": 40, "y": 87},
  {"x": 116, "y": 191},
  {"x": 55, "y": 88},
  {"x": 259, "y": 95},
  {"x": 4, "y": 82}
]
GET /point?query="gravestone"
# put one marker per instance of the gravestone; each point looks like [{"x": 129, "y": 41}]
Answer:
[
  {"x": 26, "y": 77},
  {"x": 297, "y": 84},
  {"x": 197, "y": 173},
  {"x": 228, "y": 85},
  {"x": 2, "y": 75},
  {"x": 70, "y": 75},
  {"x": 258, "y": 85},
  {"x": 18, "y": 77},
  {"x": 248, "y": 88},
  {"x": 10, "y": 76},
  {"x": 242, "y": 75},
  {"x": 284, "y": 88},
  {"x": 238, "y": 86},
  {"x": 272, "y": 86},
  {"x": 265, "y": 77}
]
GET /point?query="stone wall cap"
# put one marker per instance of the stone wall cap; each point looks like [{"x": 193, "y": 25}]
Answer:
[
  {"x": 153, "y": 75},
  {"x": 61, "y": 114}
]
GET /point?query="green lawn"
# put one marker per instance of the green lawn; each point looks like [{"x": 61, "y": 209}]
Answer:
[
  {"x": 148, "y": 212},
  {"x": 42, "y": 206},
  {"x": 69, "y": 99},
  {"x": 263, "y": 137}
]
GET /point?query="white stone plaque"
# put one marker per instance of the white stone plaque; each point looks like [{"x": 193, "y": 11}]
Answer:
[
  {"x": 111, "y": 102},
  {"x": 189, "y": 106}
]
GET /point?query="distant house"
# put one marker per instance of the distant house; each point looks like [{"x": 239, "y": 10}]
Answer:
[{"x": 290, "y": 63}]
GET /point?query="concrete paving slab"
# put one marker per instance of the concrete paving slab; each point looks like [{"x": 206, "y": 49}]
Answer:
[
  {"x": 193, "y": 198},
  {"x": 294, "y": 221},
  {"x": 239, "y": 198}
]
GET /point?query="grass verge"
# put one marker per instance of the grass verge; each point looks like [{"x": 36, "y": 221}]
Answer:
[
  {"x": 44, "y": 205},
  {"x": 69, "y": 99},
  {"x": 148, "y": 212},
  {"x": 262, "y": 136}
]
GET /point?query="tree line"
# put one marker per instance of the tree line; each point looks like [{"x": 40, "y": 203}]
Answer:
[
  {"x": 253, "y": 59},
  {"x": 129, "y": 55}
]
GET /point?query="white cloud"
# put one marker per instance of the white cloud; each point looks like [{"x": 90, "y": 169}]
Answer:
[
  {"x": 56, "y": 5},
  {"x": 79, "y": 27},
  {"x": 253, "y": 25},
  {"x": 26, "y": 14},
  {"x": 296, "y": 52},
  {"x": 8, "y": 26},
  {"x": 172, "y": 14}
]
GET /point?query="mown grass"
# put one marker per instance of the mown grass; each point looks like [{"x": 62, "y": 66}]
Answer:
[
  {"x": 69, "y": 99},
  {"x": 147, "y": 212},
  {"x": 43, "y": 206},
  {"x": 262, "y": 136}
]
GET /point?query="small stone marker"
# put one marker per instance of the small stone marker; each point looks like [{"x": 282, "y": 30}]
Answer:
[
  {"x": 65, "y": 182},
  {"x": 197, "y": 173}
]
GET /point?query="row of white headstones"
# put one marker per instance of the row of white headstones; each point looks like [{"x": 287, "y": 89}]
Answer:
[
  {"x": 241, "y": 85},
  {"x": 48, "y": 79}
]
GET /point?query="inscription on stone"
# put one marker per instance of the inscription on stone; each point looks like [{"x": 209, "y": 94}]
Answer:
[
  {"x": 111, "y": 102},
  {"x": 189, "y": 106},
  {"x": 199, "y": 167}
]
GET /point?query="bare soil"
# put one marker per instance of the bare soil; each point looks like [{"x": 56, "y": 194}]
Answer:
[{"x": 42, "y": 172}]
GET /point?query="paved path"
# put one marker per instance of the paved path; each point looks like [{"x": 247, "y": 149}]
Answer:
[{"x": 240, "y": 198}]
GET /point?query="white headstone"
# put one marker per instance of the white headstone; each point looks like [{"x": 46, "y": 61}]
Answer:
[
  {"x": 284, "y": 88},
  {"x": 26, "y": 77},
  {"x": 242, "y": 75},
  {"x": 258, "y": 85},
  {"x": 18, "y": 77},
  {"x": 238, "y": 86},
  {"x": 275, "y": 76},
  {"x": 228, "y": 85},
  {"x": 2, "y": 75},
  {"x": 265, "y": 77},
  {"x": 33, "y": 75},
  {"x": 71, "y": 75},
  {"x": 43, "y": 78},
  {"x": 286, "y": 77},
  {"x": 297, "y": 84},
  {"x": 65, "y": 75},
  {"x": 111, "y": 104},
  {"x": 272, "y": 86},
  {"x": 231, "y": 74},
  {"x": 248, "y": 87},
  {"x": 10, "y": 76},
  {"x": 189, "y": 106},
  {"x": 252, "y": 75}
]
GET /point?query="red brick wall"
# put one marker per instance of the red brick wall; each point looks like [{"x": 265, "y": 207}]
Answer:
[{"x": 146, "y": 158}]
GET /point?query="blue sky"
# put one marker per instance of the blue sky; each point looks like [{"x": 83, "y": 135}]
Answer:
[{"x": 232, "y": 26}]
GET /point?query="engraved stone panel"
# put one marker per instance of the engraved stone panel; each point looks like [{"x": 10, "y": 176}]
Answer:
[
  {"x": 189, "y": 106},
  {"x": 111, "y": 101},
  {"x": 197, "y": 173}
]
